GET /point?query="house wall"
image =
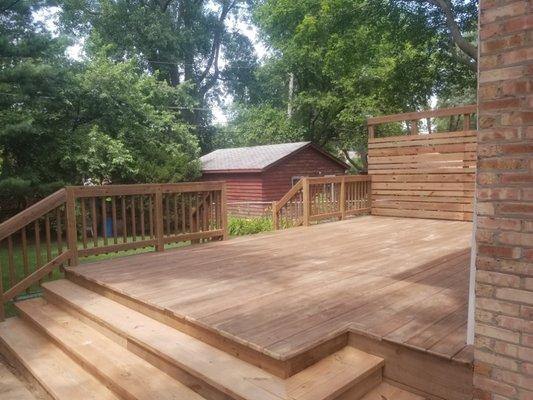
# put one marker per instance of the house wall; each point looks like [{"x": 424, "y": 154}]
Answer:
[
  {"x": 504, "y": 229},
  {"x": 251, "y": 194},
  {"x": 306, "y": 162}
]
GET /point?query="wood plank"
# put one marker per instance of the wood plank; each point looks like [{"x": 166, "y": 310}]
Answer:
[
  {"x": 11, "y": 387},
  {"x": 56, "y": 372},
  {"x": 441, "y": 112},
  {"x": 126, "y": 374}
]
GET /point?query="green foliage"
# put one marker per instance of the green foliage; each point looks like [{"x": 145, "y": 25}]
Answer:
[
  {"x": 248, "y": 226},
  {"x": 350, "y": 59},
  {"x": 257, "y": 125}
]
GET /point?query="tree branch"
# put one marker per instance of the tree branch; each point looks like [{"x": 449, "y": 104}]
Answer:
[
  {"x": 215, "y": 48},
  {"x": 457, "y": 37}
]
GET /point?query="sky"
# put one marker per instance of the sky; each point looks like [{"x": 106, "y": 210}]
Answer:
[{"x": 50, "y": 18}]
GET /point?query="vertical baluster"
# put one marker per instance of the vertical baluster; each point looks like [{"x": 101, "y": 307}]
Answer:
[
  {"x": 2, "y": 305},
  {"x": 183, "y": 218},
  {"x": 48, "y": 236},
  {"x": 124, "y": 221},
  {"x": 141, "y": 210},
  {"x": 114, "y": 217},
  {"x": 94, "y": 222},
  {"x": 11, "y": 261},
  {"x": 176, "y": 220},
  {"x": 151, "y": 216},
  {"x": 83, "y": 223},
  {"x": 167, "y": 213},
  {"x": 190, "y": 213},
  {"x": 133, "y": 221},
  {"x": 104, "y": 219},
  {"x": 59, "y": 232},
  {"x": 38, "y": 255},
  {"x": 24, "y": 251},
  {"x": 197, "y": 221}
]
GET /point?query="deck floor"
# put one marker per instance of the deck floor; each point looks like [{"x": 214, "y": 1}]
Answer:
[{"x": 405, "y": 280}]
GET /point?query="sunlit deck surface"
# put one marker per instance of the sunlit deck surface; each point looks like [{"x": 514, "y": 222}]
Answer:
[{"x": 281, "y": 293}]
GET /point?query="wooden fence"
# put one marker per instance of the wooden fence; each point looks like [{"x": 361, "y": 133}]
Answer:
[
  {"x": 323, "y": 198},
  {"x": 424, "y": 175},
  {"x": 85, "y": 221}
]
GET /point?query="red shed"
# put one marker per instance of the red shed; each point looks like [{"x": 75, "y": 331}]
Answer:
[{"x": 258, "y": 175}]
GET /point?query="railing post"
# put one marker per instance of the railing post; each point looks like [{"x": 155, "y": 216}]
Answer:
[
  {"x": 306, "y": 200},
  {"x": 224, "y": 211},
  {"x": 159, "y": 233},
  {"x": 275, "y": 224},
  {"x": 72, "y": 229},
  {"x": 371, "y": 132},
  {"x": 342, "y": 199}
]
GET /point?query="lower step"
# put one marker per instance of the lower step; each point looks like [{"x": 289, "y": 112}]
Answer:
[
  {"x": 126, "y": 374},
  {"x": 347, "y": 371},
  {"x": 58, "y": 374}
]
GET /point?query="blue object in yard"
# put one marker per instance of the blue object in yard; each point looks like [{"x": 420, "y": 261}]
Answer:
[{"x": 109, "y": 227}]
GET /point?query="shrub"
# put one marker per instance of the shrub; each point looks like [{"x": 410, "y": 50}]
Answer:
[{"x": 248, "y": 226}]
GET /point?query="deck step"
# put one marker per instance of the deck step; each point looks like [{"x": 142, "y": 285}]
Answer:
[
  {"x": 60, "y": 376},
  {"x": 346, "y": 371},
  {"x": 126, "y": 374}
]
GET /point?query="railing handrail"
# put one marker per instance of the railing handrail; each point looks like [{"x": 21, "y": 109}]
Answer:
[
  {"x": 415, "y": 115},
  {"x": 304, "y": 199},
  {"x": 31, "y": 213},
  {"x": 69, "y": 202},
  {"x": 289, "y": 195}
]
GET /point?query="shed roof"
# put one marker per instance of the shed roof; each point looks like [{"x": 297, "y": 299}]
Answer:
[{"x": 254, "y": 158}]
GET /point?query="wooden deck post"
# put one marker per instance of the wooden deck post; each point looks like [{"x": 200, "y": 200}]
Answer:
[
  {"x": 307, "y": 201},
  {"x": 275, "y": 224},
  {"x": 224, "y": 208},
  {"x": 72, "y": 229},
  {"x": 159, "y": 232},
  {"x": 342, "y": 199},
  {"x": 371, "y": 132}
]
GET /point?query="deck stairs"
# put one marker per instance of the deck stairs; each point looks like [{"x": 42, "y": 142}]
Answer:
[{"x": 78, "y": 344}]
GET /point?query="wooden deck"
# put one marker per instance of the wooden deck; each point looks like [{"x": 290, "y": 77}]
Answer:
[{"x": 404, "y": 280}]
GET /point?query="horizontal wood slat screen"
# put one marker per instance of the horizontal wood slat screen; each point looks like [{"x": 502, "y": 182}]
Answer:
[{"x": 423, "y": 176}]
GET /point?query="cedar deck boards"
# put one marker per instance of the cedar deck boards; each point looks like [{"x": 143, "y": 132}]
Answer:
[{"x": 401, "y": 279}]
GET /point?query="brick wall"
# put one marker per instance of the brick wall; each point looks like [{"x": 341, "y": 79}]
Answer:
[{"x": 504, "y": 236}]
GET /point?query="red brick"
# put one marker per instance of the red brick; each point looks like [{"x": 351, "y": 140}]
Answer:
[
  {"x": 514, "y": 379},
  {"x": 498, "y": 134},
  {"x": 503, "y": 43},
  {"x": 499, "y": 104},
  {"x": 498, "y": 279},
  {"x": 499, "y": 223},
  {"x": 499, "y": 251},
  {"x": 516, "y": 295},
  {"x": 494, "y": 386},
  {"x": 503, "y": 163},
  {"x": 516, "y": 238},
  {"x": 498, "y": 306},
  {"x": 521, "y": 178},
  {"x": 502, "y": 12},
  {"x": 516, "y": 208}
]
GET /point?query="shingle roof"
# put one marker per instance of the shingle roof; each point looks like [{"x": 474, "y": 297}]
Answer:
[{"x": 255, "y": 158}]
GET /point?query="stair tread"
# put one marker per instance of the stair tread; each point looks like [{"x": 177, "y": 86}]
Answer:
[
  {"x": 221, "y": 370},
  {"x": 386, "y": 391},
  {"x": 127, "y": 374},
  {"x": 57, "y": 373}
]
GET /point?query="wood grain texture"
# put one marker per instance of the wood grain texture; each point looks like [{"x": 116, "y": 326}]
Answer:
[
  {"x": 283, "y": 293},
  {"x": 410, "y": 175}
]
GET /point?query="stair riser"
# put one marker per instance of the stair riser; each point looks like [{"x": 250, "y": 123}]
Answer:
[
  {"x": 90, "y": 368},
  {"x": 44, "y": 391},
  {"x": 281, "y": 368},
  {"x": 358, "y": 390},
  {"x": 171, "y": 369}
]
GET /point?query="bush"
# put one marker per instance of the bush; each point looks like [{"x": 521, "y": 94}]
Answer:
[{"x": 248, "y": 226}]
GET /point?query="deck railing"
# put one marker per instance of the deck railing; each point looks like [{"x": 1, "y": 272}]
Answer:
[
  {"x": 86, "y": 221},
  {"x": 459, "y": 114},
  {"x": 322, "y": 198}
]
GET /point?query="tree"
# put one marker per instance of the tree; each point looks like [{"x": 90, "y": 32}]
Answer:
[{"x": 176, "y": 40}]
